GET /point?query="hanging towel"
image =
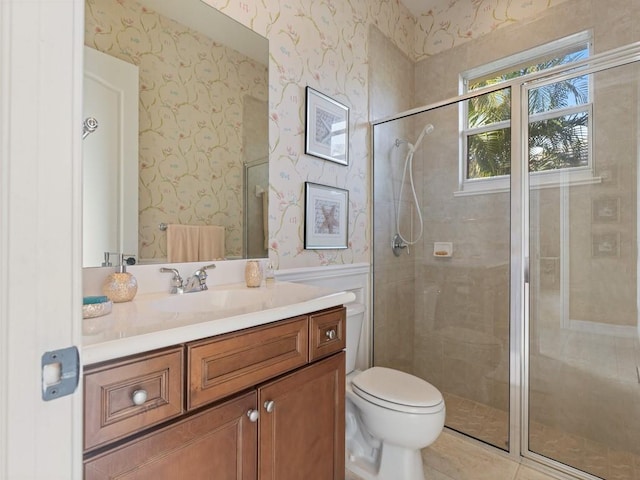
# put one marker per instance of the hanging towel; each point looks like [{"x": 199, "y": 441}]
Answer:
[
  {"x": 211, "y": 243},
  {"x": 265, "y": 218},
  {"x": 182, "y": 243}
]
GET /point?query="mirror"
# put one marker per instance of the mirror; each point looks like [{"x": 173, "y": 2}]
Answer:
[{"x": 199, "y": 143}]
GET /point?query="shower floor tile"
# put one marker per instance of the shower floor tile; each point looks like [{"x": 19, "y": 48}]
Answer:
[
  {"x": 491, "y": 425},
  {"x": 453, "y": 457}
]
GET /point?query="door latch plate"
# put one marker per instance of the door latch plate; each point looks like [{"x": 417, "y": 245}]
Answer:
[{"x": 60, "y": 373}]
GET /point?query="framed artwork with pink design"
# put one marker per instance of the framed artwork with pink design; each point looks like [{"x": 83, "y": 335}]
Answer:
[{"x": 326, "y": 217}]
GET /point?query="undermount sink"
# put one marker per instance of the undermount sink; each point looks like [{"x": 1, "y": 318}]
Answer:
[{"x": 211, "y": 300}]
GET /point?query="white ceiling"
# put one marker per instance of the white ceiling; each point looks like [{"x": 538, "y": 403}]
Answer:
[{"x": 417, "y": 7}]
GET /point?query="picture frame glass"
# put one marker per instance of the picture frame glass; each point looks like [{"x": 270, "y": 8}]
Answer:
[
  {"x": 326, "y": 217},
  {"x": 327, "y": 128}
]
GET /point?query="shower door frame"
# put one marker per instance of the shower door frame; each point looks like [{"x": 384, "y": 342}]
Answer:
[
  {"x": 619, "y": 57},
  {"x": 519, "y": 319}
]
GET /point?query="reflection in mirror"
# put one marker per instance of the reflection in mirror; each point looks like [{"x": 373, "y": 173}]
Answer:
[{"x": 202, "y": 130}]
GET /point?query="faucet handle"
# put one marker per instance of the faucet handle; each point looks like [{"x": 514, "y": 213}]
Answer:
[
  {"x": 201, "y": 275},
  {"x": 176, "y": 280}
]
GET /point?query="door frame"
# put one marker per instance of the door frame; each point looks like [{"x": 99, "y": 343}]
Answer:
[{"x": 40, "y": 232}]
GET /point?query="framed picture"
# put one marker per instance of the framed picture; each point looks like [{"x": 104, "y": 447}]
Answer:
[
  {"x": 605, "y": 245},
  {"x": 326, "y": 215},
  {"x": 605, "y": 210},
  {"x": 609, "y": 175},
  {"x": 327, "y": 128}
]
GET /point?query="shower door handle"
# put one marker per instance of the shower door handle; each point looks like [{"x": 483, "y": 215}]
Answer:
[{"x": 526, "y": 269}]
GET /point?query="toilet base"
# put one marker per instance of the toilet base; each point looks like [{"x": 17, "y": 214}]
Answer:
[{"x": 395, "y": 462}]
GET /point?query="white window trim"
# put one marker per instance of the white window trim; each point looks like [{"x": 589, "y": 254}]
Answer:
[
  {"x": 528, "y": 55},
  {"x": 537, "y": 180}
]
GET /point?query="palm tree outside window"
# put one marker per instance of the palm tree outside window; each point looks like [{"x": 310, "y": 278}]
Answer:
[{"x": 559, "y": 114}]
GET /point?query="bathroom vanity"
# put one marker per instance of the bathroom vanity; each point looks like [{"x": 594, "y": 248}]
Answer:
[{"x": 253, "y": 394}]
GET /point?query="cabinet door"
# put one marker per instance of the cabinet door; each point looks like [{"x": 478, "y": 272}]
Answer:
[
  {"x": 302, "y": 423},
  {"x": 224, "y": 365},
  {"x": 220, "y": 442}
]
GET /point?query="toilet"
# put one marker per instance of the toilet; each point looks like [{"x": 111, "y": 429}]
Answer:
[{"x": 390, "y": 415}]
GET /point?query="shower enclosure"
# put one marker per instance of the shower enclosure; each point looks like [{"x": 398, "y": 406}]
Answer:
[{"x": 520, "y": 300}]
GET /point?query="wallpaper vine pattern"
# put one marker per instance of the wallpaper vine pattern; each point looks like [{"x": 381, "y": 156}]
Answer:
[
  {"x": 323, "y": 44},
  {"x": 455, "y": 22},
  {"x": 191, "y": 118}
]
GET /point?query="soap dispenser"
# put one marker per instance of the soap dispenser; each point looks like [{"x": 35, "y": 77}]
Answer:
[{"x": 120, "y": 286}]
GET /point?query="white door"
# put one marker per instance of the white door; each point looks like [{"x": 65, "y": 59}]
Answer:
[
  {"x": 40, "y": 232},
  {"x": 110, "y": 158}
]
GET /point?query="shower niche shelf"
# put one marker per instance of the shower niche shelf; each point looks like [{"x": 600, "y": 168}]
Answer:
[{"x": 442, "y": 249}]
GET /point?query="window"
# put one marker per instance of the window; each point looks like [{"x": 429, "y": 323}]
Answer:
[{"x": 559, "y": 115}]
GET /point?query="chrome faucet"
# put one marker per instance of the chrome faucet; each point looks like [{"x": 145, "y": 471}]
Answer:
[
  {"x": 198, "y": 281},
  {"x": 176, "y": 281},
  {"x": 195, "y": 283}
]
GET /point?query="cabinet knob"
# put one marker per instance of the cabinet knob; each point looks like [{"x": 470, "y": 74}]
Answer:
[
  {"x": 331, "y": 334},
  {"x": 253, "y": 415},
  {"x": 269, "y": 405},
  {"x": 139, "y": 397}
]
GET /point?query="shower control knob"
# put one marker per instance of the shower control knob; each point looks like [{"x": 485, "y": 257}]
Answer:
[
  {"x": 269, "y": 405},
  {"x": 331, "y": 334},
  {"x": 253, "y": 415},
  {"x": 139, "y": 397}
]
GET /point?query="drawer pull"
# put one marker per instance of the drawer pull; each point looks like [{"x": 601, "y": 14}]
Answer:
[
  {"x": 139, "y": 397},
  {"x": 269, "y": 406},
  {"x": 331, "y": 334},
  {"x": 253, "y": 415}
]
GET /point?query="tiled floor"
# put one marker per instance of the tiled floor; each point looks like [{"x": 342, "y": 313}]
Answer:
[
  {"x": 454, "y": 458},
  {"x": 490, "y": 425}
]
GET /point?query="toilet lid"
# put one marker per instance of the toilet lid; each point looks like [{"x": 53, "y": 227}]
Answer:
[{"x": 397, "y": 388}]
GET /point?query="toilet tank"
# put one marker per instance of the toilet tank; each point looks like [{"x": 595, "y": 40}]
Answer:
[{"x": 355, "y": 319}]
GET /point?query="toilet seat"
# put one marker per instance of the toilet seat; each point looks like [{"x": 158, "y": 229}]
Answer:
[{"x": 397, "y": 391}]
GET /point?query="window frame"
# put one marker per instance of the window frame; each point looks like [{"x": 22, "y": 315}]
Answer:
[{"x": 538, "y": 179}]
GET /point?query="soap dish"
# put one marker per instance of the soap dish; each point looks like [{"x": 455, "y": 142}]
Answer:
[
  {"x": 93, "y": 310},
  {"x": 442, "y": 249}
]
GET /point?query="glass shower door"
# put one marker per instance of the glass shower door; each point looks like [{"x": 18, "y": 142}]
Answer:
[
  {"x": 583, "y": 348},
  {"x": 441, "y": 305}
]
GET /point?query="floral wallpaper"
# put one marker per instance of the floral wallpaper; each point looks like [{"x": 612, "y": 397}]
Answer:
[
  {"x": 192, "y": 93},
  {"x": 324, "y": 44},
  {"x": 454, "y": 22}
]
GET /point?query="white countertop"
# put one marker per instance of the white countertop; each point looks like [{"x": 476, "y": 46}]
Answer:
[{"x": 147, "y": 322}]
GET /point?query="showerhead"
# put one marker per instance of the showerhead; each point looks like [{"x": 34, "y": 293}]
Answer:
[{"x": 428, "y": 128}]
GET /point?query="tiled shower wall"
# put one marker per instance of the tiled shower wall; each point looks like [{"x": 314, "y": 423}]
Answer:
[
  {"x": 391, "y": 91},
  {"x": 458, "y": 337}
]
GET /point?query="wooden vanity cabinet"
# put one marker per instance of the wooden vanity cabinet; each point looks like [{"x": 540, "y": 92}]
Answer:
[
  {"x": 265, "y": 403},
  {"x": 220, "y": 442},
  {"x": 113, "y": 408},
  {"x": 302, "y": 423},
  {"x": 221, "y": 366}
]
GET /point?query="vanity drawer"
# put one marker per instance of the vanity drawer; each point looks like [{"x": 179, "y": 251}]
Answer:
[
  {"x": 327, "y": 333},
  {"x": 220, "y": 366},
  {"x": 110, "y": 412}
]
